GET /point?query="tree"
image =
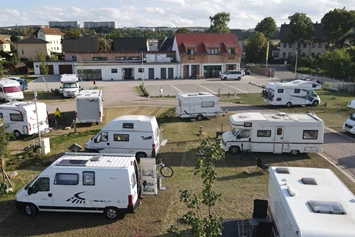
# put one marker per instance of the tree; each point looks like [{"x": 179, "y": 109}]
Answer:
[
  {"x": 2, "y": 71},
  {"x": 201, "y": 217},
  {"x": 5, "y": 137},
  {"x": 337, "y": 63},
  {"x": 182, "y": 30},
  {"x": 14, "y": 59},
  {"x": 337, "y": 25},
  {"x": 43, "y": 67},
  {"x": 14, "y": 38},
  {"x": 301, "y": 30},
  {"x": 103, "y": 45},
  {"x": 267, "y": 26},
  {"x": 219, "y": 23},
  {"x": 255, "y": 48}
]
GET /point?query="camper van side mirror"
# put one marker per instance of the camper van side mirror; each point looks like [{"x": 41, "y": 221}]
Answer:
[
  {"x": 60, "y": 87},
  {"x": 30, "y": 191}
]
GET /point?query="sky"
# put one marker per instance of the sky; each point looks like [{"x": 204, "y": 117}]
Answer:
[{"x": 244, "y": 14}]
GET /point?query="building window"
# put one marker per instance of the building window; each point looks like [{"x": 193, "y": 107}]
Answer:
[
  {"x": 319, "y": 45},
  {"x": 57, "y": 48},
  {"x": 290, "y": 45},
  {"x": 276, "y": 54},
  {"x": 190, "y": 51},
  {"x": 121, "y": 137},
  {"x": 304, "y": 45},
  {"x": 230, "y": 67},
  {"x": 113, "y": 70},
  {"x": 313, "y": 45},
  {"x": 289, "y": 54},
  {"x": 212, "y": 51},
  {"x": 285, "y": 45},
  {"x": 22, "y": 51},
  {"x": 99, "y": 58},
  {"x": 89, "y": 178},
  {"x": 66, "y": 179},
  {"x": 231, "y": 51},
  {"x": 283, "y": 55},
  {"x": 313, "y": 55}
]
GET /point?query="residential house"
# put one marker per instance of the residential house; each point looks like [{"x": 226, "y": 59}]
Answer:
[
  {"x": 53, "y": 36},
  {"x": 4, "y": 45},
  {"x": 30, "y": 47},
  {"x": 206, "y": 54},
  {"x": 287, "y": 50}
]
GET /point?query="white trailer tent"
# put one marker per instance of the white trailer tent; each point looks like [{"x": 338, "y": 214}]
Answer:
[
  {"x": 349, "y": 124},
  {"x": 277, "y": 133},
  {"x": 197, "y": 105},
  {"x": 297, "y": 92},
  {"x": 310, "y": 202},
  {"x": 89, "y": 106}
]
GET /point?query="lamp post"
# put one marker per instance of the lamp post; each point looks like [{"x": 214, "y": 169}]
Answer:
[
  {"x": 296, "y": 65},
  {"x": 142, "y": 71}
]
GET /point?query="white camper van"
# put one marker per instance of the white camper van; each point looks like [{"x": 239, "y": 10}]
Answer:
[
  {"x": 95, "y": 183},
  {"x": 297, "y": 92},
  {"x": 70, "y": 85},
  {"x": 20, "y": 117},
  {"x": 130, "y": 134},
  {"x": 277, "y": 133},
  {"x": 10, "y": 90},
  {"x": 89, "y": 106},
  {"x": 349, "y": 124},
  {"x": 197, "y": 105},
  {"x": 310, "y": 202}
]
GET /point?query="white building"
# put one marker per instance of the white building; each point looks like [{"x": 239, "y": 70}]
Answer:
[
  {"x": 94, "y": 24},
  {"x": 74, "y": 24},
  {"x": 53, "y": 36}
]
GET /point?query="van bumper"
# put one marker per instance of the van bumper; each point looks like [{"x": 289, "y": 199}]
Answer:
[
  {"x": 19, "y": 205},
  {"x": 132, "y": 208}
]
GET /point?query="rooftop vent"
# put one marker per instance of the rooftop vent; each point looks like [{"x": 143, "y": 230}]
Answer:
[
  {"x": 291, "y": 191},
  {"x": 309, "y": 181},
  {"x": 326, "y": 207},
  {"x": 281, "y": 114},
  {"x": 282, "y": 170},
  {"x": 95, "y": 158},
  {"x": 75, "y": 162}
]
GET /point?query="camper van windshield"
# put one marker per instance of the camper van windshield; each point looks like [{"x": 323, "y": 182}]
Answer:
[
  {"x": 28, "y": 185},
  {"x": 70, "y": 85},
  {"x": 235, "y": 132},
  {"x": 12, "y": 89},
  {"x": 352, "y": 116}
]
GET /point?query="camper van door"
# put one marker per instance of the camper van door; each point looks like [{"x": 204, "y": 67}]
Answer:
[
  {"x": 278, "y": 144},
  {"x": 41, "y": 192},
  {"x": 103, "y": 141}
]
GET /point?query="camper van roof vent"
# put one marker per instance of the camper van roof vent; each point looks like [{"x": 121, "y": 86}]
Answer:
[
  {"x": 326, "y": 207},
  {"x": 281, "y": 114},
  {"x": 75, "y": 162},
  {"x": 282, "y": 170},
  {"x": 291, "y": 191},
  {"x": 95, "y": 158},
  {"x": 309, "y": 181},
  {"x": 203, "y": 93}
]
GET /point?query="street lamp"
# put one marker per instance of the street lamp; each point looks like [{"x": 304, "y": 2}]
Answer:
[{"x": 296, "y": 65}]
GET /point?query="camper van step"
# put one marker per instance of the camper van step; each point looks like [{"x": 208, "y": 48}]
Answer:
[{"x": 163, "y": 143}]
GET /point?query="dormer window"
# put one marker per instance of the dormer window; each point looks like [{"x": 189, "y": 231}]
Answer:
[
  {"x": 212, "y": 51},
  {"x": 231, "y": 51},
  {"x": 190, "y": 51}
]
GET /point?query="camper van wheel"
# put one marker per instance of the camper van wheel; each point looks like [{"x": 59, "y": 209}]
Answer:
[
  {"x": 294, "y": 152},
  {"x": 234, "y": 149},
  {"x": 289, "y": 104},
  {"x": 17, "y": 134},
  {"x": 113, "y": 213},
  {"x": 239, "y": 78},
  {"x": 30, "y": 209},
  {"x": 199, "y": 117},
  {"x": 315, "y": 103},
  {"x": 225, "y": 78}
]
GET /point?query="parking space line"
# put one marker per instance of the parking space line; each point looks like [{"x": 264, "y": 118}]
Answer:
[
  {"x": 213, "y": 92},
  {"x": 236, "y": 88},
  {"x": 176, "y": 88}
]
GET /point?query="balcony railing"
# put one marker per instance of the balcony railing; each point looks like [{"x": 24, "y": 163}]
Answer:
[{"x": 190, "y": 57}]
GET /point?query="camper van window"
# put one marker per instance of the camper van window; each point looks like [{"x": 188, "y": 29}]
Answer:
[
  {"x": 16, "y": 117},
  {"x": 279, "y": 131},
  {"x": 280, "y": 90},
  {"x": 104, "y": 137},
  {"x": 263, "y": 133},
  {"x": 1, "y": 116},
  {"x": 66, "y": 179},
  {"x": 352, "y": 116},
  {"x": 69, "y": 85},
  {"x": 207, "y": 104},
  {"x": 296, "y": 91},
  {"x": 244, "y": 134},
  {"x": 133, "y": 181},
  {"x": 128, "y": 125},
  {"x": 310, "y": 134},
  {"x": 121, "y": 137},
  {"x": 248, "y": 124},
  {"x": 0, "y": 89},
  {"x": 278, "y": 99},
  {"x": 89, "y": 178},
  {"x": 41, "y": 185},
  {"x": 12, "y": 89}
]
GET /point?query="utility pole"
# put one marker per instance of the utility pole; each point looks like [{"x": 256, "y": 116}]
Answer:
[
  {"x": 296, "y": 65},
  {"x": 142, "y": 71},
  {"x": 39, "y": 133}
]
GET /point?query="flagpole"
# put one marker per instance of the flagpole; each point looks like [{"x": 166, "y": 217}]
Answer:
[{"x": 267, "y": 52}]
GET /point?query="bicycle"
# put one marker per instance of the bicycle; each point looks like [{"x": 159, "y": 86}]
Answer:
[{"x": 165, "y": 170}]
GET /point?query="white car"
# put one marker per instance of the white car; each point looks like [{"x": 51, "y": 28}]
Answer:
[{"x": 231, "y": 74}]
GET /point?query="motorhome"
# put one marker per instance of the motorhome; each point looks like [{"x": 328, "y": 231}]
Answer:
[
  {"x": 21, "y": 117},
  {"x": 70, "y": 85},
  {"x": 297, "y": 92},
  {"x": 349, "y": 124},
  {"x": 309, "y": 202},
  {"x": 132, "y": 134},
  {"x": 277, "y": 133},
  {"x": 10, "y": 90},
  {"x": 89, "y": 106},
  {"x": 197, "y": 105},
  {"x": 93, "y": 183}
]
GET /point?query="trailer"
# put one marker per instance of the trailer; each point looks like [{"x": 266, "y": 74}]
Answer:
[
  {"x": 349, "y": 124},
  {"x": 197, "y": 105},
  {"x": 310, "y": 202},
  {"x": 297, "y": 92},
  {"x": 89, "y": 106},
  {"x": 277, "y": 133}
]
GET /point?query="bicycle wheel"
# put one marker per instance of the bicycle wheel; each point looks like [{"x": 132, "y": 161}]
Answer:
[{"x": 166, "y": 171}]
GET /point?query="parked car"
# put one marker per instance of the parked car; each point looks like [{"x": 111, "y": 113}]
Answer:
[{"x": 231, "y": 74}]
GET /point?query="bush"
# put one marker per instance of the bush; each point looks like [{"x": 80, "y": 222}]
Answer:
[{"x": 144, "y": 91}]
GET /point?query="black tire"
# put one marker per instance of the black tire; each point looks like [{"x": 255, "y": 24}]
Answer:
[
  {"x": 315, "y": 103},
  {"x": 113, "y": 213},
  {"x": 140, "y": 155},
  {"x": 234, "y": 149},
  {"x": 225, "y": 78},
  {"x": 199, "y": 117},
  {"x": 294, "y": 152},
  {"x": 289, "y": 105},
  {"x": 30, "y": 209},
  {"x": 17, "y": 134},
  {"x": 239, "y": 78},
  {"x": 166, "y": 171}
]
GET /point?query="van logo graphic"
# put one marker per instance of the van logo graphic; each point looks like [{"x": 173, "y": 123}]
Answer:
[
  {"x": 76, "y": 199},
  {"x": 147, "y": 138}
]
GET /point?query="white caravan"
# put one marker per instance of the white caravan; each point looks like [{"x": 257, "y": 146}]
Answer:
[
  {"x": 95, "y": 183},
  {"x": 277, "y": 133},
  {"x": 297, "y": 92},
  {"x": 10, "y": 90},
  {"x": 197, "y": 105},
  {"x": 310, "y": 202},
  {"x": 349, "y": 124},
  {"x": 20, "y": 117},
  {"x": 70, "y": 85},
  {"x": 89, "y": 106},
  {"x": 132, "y": 134}
]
